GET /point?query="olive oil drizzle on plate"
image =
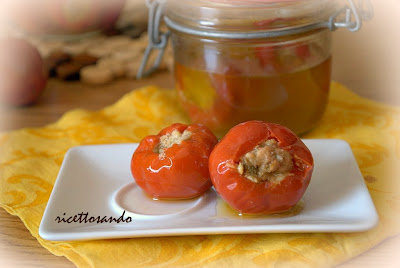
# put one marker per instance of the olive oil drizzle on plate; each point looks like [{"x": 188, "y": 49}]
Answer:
[{"x": 224, "y": 210}]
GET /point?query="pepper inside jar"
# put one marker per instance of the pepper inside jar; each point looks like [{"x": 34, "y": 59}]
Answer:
[{"x": 244, "y": 60}]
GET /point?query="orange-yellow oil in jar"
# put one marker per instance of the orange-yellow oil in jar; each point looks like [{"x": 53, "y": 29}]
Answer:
[{"x": 222, "y": 100}]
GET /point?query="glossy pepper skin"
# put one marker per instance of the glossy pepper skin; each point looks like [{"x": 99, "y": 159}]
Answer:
[
  {"x": 183, "y": 172},
  {"x": 248, "y": 197}
]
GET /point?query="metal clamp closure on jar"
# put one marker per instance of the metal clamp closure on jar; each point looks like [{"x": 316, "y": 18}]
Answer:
[{"x": 349, "y": 16}]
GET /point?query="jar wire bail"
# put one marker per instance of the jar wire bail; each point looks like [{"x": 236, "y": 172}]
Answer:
[
  {"x": 157, "y": 40},
  {"x": 350, "y": 16}
]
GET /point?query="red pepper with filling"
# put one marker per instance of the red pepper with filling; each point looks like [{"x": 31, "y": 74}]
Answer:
[
  {"x": 261, "y": 168},
  {"x": 174, "y": 163}
]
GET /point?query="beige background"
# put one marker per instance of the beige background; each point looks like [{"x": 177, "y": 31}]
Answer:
[{"x": 369, "y": 60}]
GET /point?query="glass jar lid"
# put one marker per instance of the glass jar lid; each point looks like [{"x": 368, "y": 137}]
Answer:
[{"x": 248, "y": 16}]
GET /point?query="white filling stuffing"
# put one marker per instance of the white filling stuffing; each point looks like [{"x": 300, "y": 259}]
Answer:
[
  {"x": 169, "y": 139},
  {"x": 266, "y": 162}
]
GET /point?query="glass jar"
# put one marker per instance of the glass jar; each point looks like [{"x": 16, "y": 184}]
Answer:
[{"x": 266, "y": 60}]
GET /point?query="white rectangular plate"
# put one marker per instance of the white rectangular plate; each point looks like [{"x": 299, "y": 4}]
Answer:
[{"x": 96, "y": 181}]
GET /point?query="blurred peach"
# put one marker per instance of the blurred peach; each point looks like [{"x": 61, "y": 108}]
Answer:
[
  {"x": 61, "y": 17},
  {"x": 22, "y": 74}
]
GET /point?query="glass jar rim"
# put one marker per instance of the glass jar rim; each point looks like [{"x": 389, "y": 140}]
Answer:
[{"x": 248, "y": 16}]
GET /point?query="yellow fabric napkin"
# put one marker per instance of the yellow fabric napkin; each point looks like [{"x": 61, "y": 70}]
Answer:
[{"x": 30, "y": 160}]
